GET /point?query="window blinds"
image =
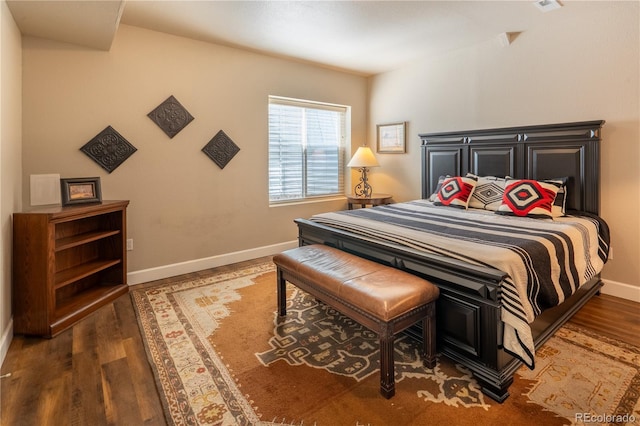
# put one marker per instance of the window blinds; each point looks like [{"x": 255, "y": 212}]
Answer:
[{"x": 306, "y": 149}]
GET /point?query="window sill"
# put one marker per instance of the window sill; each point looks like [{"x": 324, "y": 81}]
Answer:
[{"x": 308, "y": 201}]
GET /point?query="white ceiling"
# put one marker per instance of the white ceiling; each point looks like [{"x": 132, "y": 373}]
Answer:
[
  {"x": 90, "y": 23},
  {"x": 365, "y": 37}
]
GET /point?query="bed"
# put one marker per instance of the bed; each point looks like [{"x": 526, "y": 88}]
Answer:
[{"x": 474, "y": 327}]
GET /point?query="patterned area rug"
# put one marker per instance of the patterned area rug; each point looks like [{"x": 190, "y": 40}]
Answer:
[{"x": 222, "y": 356}]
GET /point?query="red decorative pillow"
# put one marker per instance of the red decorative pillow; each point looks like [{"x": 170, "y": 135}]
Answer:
[
  {"x": 526, "y": 197},
  {"x": 456, "y": 192}
]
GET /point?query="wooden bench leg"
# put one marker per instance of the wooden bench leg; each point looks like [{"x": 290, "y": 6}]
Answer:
[
  {"x": 429, "y": 337},
  {"x": 282, "y": 294},
  {"x": 387, "y": 371}
]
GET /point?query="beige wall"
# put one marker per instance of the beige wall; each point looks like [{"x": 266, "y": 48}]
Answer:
[
  {"x": 586, "y": 69},
  {"x": 10, "y": 159},
  {"x": 183, "y": 207}
]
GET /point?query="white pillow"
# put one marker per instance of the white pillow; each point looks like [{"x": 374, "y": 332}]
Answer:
[{"x": 488, "y": 193}]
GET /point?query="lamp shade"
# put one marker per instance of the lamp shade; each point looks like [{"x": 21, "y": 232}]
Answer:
[{"x": 363, "y": 158}]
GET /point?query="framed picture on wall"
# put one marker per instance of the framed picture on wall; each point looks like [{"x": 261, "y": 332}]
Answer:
[
  {"x": 80, "y": 190},
  {"x": 391, "y": 138}
]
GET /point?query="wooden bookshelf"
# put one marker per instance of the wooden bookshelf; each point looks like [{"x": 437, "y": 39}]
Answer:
[{"x": 67, "y": 262}]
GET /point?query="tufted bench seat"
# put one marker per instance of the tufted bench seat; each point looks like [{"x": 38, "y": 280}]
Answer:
[{"x": 381, "y": 298}]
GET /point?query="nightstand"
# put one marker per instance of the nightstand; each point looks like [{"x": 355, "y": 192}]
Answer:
[{"x": 373, "y": 200}]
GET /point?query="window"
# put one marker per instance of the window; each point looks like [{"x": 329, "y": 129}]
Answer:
[{"x": 306, "y": 149}]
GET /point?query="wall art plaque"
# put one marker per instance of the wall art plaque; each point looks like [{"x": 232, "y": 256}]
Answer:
[
  {"x": 221, "y": 149},
  {"x": 171, "y": 116},
  {"x": 109, "y": 149}
]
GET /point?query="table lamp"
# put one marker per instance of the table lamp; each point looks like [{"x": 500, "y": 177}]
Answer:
[{"x": 363, "y": 159}]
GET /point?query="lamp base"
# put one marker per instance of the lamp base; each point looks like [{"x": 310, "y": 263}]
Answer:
[{"x": 363, "y": 189}]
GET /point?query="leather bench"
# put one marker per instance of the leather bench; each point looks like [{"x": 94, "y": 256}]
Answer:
[{"x": 381, "y": 298}]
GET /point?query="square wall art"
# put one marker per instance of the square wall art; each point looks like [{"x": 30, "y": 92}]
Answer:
[
  {"x": 171, "y": 116},
  {"x": 109, "y": 149},
  {"x": 221, "y": 149}
]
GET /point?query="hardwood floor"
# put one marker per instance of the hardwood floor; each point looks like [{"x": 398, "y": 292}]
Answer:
[
  {"x": 612, "y": 317},
  {"x": 93, "y": 374},
  {"x": 97, "y": 373}
]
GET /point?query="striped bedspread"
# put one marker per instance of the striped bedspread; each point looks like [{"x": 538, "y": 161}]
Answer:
[{"x": 546, "y": 260}]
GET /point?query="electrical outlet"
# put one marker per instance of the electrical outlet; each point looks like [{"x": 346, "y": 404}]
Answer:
[
  {"x": 610, "y": 252},
  {"x": 129, "y": 244}
]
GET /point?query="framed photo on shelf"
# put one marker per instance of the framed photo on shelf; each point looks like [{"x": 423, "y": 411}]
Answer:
[
  {"x": 391, "y": 138},
  {"x": 80, "y": 190}
]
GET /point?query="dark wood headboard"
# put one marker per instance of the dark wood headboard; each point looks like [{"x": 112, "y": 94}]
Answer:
[{"x": 528, "y": 152}]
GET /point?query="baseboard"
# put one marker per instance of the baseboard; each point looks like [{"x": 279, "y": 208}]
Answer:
[
  {"x": 5, "y": 341},
  {"x": 166, "y": 271},
  {"x": 622, "y": 290}
]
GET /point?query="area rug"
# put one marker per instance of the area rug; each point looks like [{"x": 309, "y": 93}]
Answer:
[{"x": 221, "y": 356}]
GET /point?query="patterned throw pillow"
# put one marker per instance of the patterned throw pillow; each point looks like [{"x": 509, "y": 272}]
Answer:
[
  {"x": 456, "y": 192},
  {"x": 525, "y": 197},
  {"x": 559, "y": 204},
  {"x": 434, "y": 196},
  {"x": 488, "y": 193}
]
